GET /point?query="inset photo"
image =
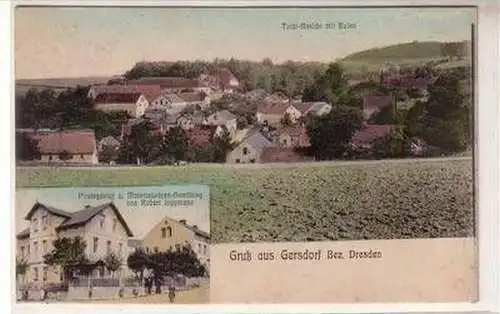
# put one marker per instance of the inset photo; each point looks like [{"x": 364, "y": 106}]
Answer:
[{"x": 147, "y": 244}]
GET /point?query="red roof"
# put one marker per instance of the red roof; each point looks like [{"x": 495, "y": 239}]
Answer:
[
  {"x": 371, "y": 132},
  {"x": 73, "y": 142},
  {"x": 192, "y": 96},
  {"x": 376, "y": 101},
  {"x": 200, "y": 136},
  {"x": 282, "y": 154},
  {"x": 151, "y": 92},
  {"x": 275, "y": 108},
  {"x": 108, "y": 98}
]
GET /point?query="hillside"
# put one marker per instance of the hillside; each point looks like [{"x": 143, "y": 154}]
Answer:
[
  {"x": 57, "y": 84},
  {"x": 405, "y": 51}
]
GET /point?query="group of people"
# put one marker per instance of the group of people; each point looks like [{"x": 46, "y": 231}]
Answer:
[{"x": 158, "y": 282}]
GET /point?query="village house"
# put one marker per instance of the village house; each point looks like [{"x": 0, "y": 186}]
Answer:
[
  {"x": 277, "y": 97},
  {"x": 106, "y": 142},
  {"x": 293, "y": 136},
  {"x": 158, "y": 126},
  {"x": 221, "y": 79},
  {"x": 170, "y": 234},
  {"x": 174, "y": 84},
  {"x": 195, "y": 99},
  {"x": 201, "y": 136},
  {"x": 250, "y": 149},
  {"x": 365, "y": 137},
  {"x": 101, "y": 227},
  {"x": 223, "y": 118},
  {"x": 134, "y": 104},
  {"x": 68, "y": 146},
  {"x": 152, "y": 93},
  {"x": 273, "y": 114},
  {"x": 189, "y": 121},
  {"x": 373, "y": 104}
]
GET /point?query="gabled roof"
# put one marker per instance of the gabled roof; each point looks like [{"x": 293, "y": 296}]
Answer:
[
  {"x": 23, "y": 234},
  {"x": 71, "y": 141},
  {"x": 370, "y": 133},
  {"x": 85, "y": 215},
  {"x": 221, "y": 117},
  {"x": 151, "y": 92},
  {"x": 256, "y": 140},
  {"x": 50, "y": 209},
  {"x": 121, "y": 97},
  {"x": 303, "y": 107},
  {"x": 274, "y": 108},
  {"x": 377, "y": 101},
  {"x": 192, "y": 96}
]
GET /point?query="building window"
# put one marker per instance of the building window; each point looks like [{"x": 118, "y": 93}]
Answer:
[
  {"x": 199, "y": 248},
  {"x": 35, "y": 225},
  {"x": 35, "y": 273},
  {"x": 245, "y": 150},
  {"x": 163, "y": 232},
  {"x": 252, "y": 160},
  {"x": 22, "y": 252},
  {"x": 81, "y": 156},
  {"x": 169, "y": 231},
  {"x": 155, "y": 249},
  {"x": 101, "y": 222},
  {"x": 35, "y": 248},
  {"x": 44, "y": 222},
  {"x": 28, "y": 250},
  {"x": 147, "y": 250},
  {"x": 96, "y": 244},
  {"x": 114, "y": 224},
  {"x": 50, "y": 157},
  {"x": 44, "y": 247},
  {"x": 44, "y": 273},
  {"x": 108, "y": 247},
  {"x": 177, "y": 247},
  {"x": 120, "y": 248},
  {"x": 204, "y": 249},
  {"x": 238, "y": 161}
]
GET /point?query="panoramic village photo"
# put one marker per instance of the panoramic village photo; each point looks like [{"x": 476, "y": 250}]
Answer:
[
  {"x": 307, "y": 124},
  {"x": 135, "y": 245}
]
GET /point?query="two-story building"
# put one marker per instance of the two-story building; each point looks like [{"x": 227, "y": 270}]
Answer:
[
  {"x": 102, "y": 228},
  {"x": 171, "y": 234},
  {"x": 134, "y": 104}
]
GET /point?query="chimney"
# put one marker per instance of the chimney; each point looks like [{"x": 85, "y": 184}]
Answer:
[{"x": 182, "y": 221}]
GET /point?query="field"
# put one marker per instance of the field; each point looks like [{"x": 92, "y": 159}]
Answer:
[{"x": 313, "y": 202}]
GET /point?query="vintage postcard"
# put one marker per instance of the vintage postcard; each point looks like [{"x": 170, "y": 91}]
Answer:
[
  {"x": 147, "y": 244},
  {"x": 338, "y": 145}
]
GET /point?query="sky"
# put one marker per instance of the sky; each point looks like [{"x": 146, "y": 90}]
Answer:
[
  {"x": 140, "y": 219},
  {"x": 55, "y": 42}
]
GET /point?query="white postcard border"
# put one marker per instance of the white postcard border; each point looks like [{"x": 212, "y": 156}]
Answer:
[{"x": 488, "y": 153}]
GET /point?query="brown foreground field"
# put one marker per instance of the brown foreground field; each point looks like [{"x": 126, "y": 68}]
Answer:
[{"x": 327, "y": 201}]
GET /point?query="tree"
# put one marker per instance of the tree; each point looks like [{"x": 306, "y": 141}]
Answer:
[
  {"x": 112, "y": 262},
  {"x": 139, "y": 146},
  {"x": 328, "y": 86},
  {"x": 444, "y": 120},
  {"x": 221, "y": 146},
  {"x": 21, "y": 268},
  {"x": 330, "y": 134},
  {"x": 26, "y": 147},
  {"x": 395, "y": 145},
  {"x": 175, "y": 144},
  {"x": 137, "y": 262},
  {"x": 69, "y": 254},
  {"x": 109, "y": 153}
]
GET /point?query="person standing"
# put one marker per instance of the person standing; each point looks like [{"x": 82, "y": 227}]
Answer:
[{"x": 171, "y": 293}]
